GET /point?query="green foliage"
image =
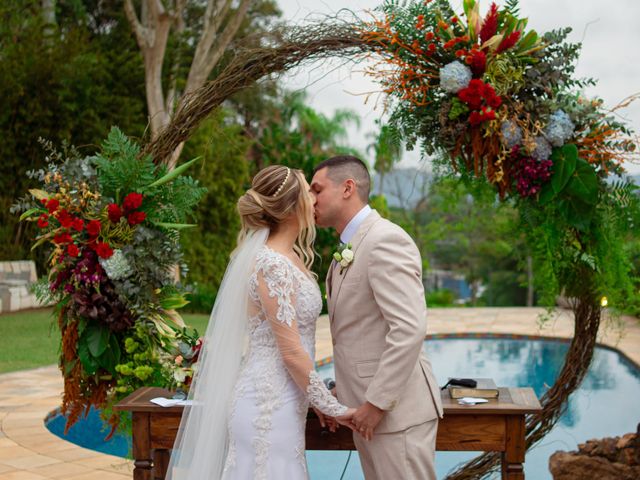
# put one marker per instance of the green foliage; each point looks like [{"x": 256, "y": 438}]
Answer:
[
  {"x": 139, "y": 364},
  {"x": 379, "y": 203},
  {"x": 574, "y": 186},
  {"x": 577, "y": 261},
  {"x": 68, "y": 82},
  {"x": 169, "y": 197},
  {"x": 298, "y": 136},
  {"x": 440, "y": 298},
  {"x": 225, "y": 174},
  {"x": 120, "y": 171},
  {"x": 460, "y": 226}
]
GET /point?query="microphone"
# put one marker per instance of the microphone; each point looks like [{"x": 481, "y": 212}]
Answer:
[{"x": 330, "y": 383}]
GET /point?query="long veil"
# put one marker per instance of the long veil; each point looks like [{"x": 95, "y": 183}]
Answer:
[{"x": 201, "y": 444}]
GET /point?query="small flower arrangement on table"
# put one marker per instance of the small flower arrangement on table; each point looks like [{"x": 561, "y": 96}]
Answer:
[
  {"x": 112, "y": 221},
  {"x": 183, "y": 361}
]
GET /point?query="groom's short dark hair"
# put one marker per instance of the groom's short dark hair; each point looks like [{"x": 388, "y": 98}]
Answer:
[{"x": 343, "y": 167}]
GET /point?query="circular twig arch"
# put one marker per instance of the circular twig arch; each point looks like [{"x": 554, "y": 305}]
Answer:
[
  {"x": 298, "y": 45},
  {"x": 302, "y": 44}
]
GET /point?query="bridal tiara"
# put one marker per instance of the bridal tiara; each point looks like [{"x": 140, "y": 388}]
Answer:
[{"x": 283, "y": 183}]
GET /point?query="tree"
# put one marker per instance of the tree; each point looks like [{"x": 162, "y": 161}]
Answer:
[
  {"x": 211, "y": 26},
  {"x": 461, "y": 227},
  {"x": 67, "y": 82},
  {"x": 387, "y": 149},
  {"x": 224, "y": 172}
]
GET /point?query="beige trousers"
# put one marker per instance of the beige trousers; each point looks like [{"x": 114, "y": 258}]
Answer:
[{"x": 405, "y": 455}]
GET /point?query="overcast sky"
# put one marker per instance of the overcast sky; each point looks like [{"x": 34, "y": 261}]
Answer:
[{"x": 608, "y": 30}]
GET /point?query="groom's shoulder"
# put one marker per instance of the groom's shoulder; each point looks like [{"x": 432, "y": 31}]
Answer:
[{"x": 385, "y": 229}]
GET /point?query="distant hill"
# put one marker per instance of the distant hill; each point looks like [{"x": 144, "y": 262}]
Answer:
[{"x": 403, "y": 187}]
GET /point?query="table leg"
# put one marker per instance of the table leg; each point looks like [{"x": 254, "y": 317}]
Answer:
[
  {"x": 513, "y": 456},
  {"x": 141, "y": 447},
  {"x": 160, "y": 463}
]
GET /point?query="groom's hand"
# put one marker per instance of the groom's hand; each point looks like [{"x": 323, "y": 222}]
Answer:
[{"x": 366, "y": 419}]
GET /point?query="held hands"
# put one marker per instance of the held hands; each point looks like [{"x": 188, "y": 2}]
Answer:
[
  {"x": 325, "y": 421},
  {"x": 363, "y": 420}
]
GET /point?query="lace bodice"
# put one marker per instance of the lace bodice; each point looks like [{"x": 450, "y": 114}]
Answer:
[
  {"x": 278, "y": 328},
  {"x": 298, "y": 298}
]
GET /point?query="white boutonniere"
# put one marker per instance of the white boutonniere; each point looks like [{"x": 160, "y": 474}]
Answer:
[{"x": 344, "y": 256}]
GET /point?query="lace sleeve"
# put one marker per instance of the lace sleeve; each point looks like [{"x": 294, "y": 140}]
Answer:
[
  {"x": 277, "y": 276},
  {"x": 277, "y": 296},
  {"x": 321, "y": 398}
]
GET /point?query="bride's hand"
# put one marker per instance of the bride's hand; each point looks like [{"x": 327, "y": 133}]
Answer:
[{"x": 346, "y": 419}]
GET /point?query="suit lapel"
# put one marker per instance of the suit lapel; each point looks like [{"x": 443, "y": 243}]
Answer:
[
  {"x": 336, "y": 277},
  {"x": 329, "y": 280}
]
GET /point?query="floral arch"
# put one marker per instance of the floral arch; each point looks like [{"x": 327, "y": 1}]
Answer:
[{"x": 486, "y": 97}]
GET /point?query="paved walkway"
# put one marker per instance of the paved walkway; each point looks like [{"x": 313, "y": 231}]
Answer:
[{"x": 28, "y": 451}]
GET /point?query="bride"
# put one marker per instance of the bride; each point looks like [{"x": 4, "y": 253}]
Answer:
[{"x": 256, "y": 374}]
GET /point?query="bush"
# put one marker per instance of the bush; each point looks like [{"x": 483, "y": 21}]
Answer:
[
  {"x": 224, "y": 172},
  {"x": 440, "y": 298},
  {"x": 201, "y": 299}
]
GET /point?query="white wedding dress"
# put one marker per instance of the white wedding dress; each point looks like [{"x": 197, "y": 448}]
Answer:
[{"x": 277, "y": 381}]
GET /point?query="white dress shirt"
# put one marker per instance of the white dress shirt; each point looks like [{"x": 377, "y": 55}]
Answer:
[{"x": 352, "y": 227}]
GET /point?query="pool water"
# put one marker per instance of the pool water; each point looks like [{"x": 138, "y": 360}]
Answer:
[{"x": 605, "y": 405}]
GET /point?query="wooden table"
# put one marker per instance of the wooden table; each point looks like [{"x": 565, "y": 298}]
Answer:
[{"x": 495, "y": 426}]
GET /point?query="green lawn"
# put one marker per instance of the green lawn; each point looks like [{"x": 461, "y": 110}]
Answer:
[{"x": 31, "y": 339}]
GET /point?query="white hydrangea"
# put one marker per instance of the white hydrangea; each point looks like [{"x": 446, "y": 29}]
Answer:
[
  {"x": 454, "y": 77},
  {"x": 117, "y": 266},
  {"x": 559, "y": 128},
  {"x": 543, "y": 149},
  {"x": 511, "y": 133}
]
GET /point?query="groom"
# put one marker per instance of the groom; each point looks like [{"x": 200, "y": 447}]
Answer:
[{"x": 378, "y": 322}]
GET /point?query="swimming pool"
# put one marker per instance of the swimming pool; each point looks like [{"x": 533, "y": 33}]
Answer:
[{"x": 605, "y": 405}]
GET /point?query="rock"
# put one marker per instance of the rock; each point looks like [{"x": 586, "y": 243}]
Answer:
[
  {"x": 573, "y": 466},
  {"x": 615, "y": 458}
]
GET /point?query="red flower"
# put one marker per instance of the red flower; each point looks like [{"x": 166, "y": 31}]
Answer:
[
  {"x": 94, "y": 227},
  {"x": 478, "y": 62},
  {"x": 42, "y": 221},
  {"x": 451, "y": 43},
  {"x": 73, "y": 250},
  {"x": 52, "y": 205},
  {"x": 495, "y": 101},
  {"x": 429, "y": 36},
  {"x": 490, "y": 24},
  {"x": 470, "y": 97},
  {"x": 481, "y": 99},
  {"x": 476, "y": 85},
  {"x": 77, "y": 224},
  {"x": 115, "y": 213},
  {"x": 508, "y": 41},
  {"x": 103, "y": 250},
  {"x": 484, "y": 115},
  {"x": 43, "y": 201},
  {"x": 64, "y": 218},
  {"x": 62, "y": 238},
  {"x": 136, "y": 217},
  {"x": 432, "y": 47},
  {"x": 132, "y": 201}
]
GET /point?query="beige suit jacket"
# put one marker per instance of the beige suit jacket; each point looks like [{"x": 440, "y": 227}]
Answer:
[{"x": 378, "y": 313}]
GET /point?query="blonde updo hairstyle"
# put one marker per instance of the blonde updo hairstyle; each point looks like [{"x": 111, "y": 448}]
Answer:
[{"x": 276, "y": 192}]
